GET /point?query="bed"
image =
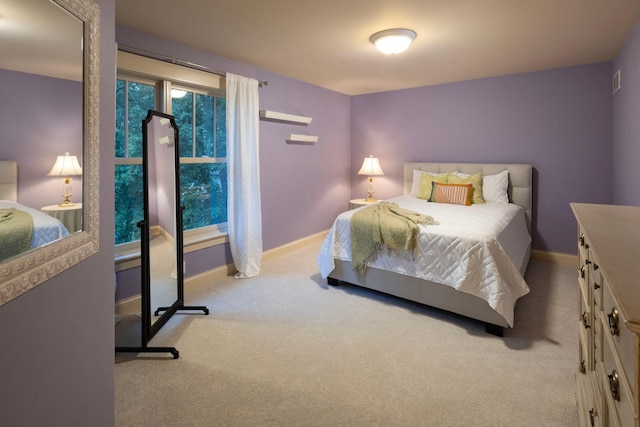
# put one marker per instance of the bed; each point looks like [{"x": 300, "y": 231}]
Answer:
[
  {"x": 44, "y": 229},
  {"x": 466, "y": 264}
]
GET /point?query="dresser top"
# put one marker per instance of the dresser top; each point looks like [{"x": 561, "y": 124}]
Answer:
[{"x": 614, "y": 234}]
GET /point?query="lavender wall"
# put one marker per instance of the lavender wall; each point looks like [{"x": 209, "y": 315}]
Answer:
[
  {"x": 304, "y": 186},
  {"x": 40, "y": 118},
  {"x": 57, "y": 358},
  {"x": 626, "y": 126},
  {"x": 559, "y": 121}
]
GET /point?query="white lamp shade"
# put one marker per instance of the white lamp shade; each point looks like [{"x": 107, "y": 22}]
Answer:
[
  {"x": 66, "y": 165},
  {"x": 393, "y": 41},
  {"x": 370, "y": 167}
]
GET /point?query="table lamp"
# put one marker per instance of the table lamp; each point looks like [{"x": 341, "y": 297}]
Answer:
[
  {"x": 370, "y": 167},
  {"x": 66, "y": 166}
]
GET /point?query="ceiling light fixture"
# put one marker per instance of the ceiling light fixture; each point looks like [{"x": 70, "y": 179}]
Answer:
[
  {"x": 393, "y": 41},
  {"x": 177, "y": 93}
]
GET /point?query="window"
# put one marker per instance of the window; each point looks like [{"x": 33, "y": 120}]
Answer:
[{"x": 201, "y": 118}]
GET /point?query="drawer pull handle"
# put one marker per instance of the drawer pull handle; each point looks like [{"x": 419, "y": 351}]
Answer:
[
  {"x": 582, "y": 271},
  {"x": 592, "y": 417},
  {"x": 585, "y": 323},
  {"x": 583, "y": 241},
  {"x": 596, "y": 286},
  {"x": 614, "y": 385},
  {"x": 595, "y": 266},
  {"x": 613, "y": 322},
  {"x": 583, "y": 367}
]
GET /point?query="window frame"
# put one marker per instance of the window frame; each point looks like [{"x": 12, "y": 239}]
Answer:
[{"x": 165, "y": 77}]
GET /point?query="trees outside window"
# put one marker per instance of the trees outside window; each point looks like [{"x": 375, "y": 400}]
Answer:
[{"x": 201, "y": 120}]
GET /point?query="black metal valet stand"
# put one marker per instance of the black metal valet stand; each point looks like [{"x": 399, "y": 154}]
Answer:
[{"x": 156, "y": 120}]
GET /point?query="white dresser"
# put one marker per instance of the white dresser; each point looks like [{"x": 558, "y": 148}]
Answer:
[{"x": 609, "y": 314}]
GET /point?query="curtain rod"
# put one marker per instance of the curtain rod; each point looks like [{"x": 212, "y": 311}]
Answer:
[{"x": 176, "y": 61}]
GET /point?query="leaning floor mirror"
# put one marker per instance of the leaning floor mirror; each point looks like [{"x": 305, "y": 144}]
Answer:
[{"x": 161, "y": 237}]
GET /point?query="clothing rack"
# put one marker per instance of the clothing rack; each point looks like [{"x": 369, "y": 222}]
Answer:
[{"x": 177, "y": 61}]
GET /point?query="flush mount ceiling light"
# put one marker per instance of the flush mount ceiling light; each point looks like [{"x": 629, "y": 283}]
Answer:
[
  {"x": 393, "y": 41},
  {"x": 177, "y": 93}
]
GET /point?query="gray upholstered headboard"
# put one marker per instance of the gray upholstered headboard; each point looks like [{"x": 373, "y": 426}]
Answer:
[
  {"x": 520, "y": 178},
  {"x": 9, "y": 180}
]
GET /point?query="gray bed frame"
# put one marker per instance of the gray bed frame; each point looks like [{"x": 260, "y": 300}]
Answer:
[{"x": 435, "y": 294}]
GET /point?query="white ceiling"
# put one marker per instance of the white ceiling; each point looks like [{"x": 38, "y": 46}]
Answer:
[
  {"x": 38, "y": 37},
  {"x": 326, "y": 43}
]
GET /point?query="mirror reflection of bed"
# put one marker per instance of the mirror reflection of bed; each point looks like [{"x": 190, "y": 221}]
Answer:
[{"x": 22, "y": 228}]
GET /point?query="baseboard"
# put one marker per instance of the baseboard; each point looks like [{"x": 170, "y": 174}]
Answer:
[
  {"x": 564, "y": 259},
  {"x": 129, "y": 305},
  {"x": 132, "y": 304},
  {"x": 292, "y": 246}
]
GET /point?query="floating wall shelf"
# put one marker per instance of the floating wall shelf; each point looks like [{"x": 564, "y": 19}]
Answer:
[
  {"x": 308, "y": 139},
  {"x": 284, "y": 117}
]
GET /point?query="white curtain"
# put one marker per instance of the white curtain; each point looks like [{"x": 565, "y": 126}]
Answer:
[{"x": 243, "y": 175}]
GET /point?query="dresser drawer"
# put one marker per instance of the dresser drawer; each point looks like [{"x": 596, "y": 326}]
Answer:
[
  {"x": 585, "y": 322},
  {"x": 583, "y": 276},
  {"x": 589, "y": 408},
  {"x": 595, "y": 280},
  {"x": 597, "y": 348},
  {"x": 617, "y": 391},
  {"x": 624, "y": 342},
  {"x": 585, "y": 360}
]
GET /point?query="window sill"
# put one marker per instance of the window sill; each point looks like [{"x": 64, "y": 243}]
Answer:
[{"x": 128, "y": 256}]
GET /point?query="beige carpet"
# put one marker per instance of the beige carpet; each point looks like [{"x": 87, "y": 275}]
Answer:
[{"x": 286, "y": 349}]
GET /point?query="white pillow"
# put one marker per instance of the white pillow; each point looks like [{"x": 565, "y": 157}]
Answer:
[
  {"x": 415, "y": 184},
  {"x": 494, "y": 187}
]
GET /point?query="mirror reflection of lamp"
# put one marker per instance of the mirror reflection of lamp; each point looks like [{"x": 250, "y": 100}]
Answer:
[
  {"x": 66, "y": 166},
  {"x": 370, "y": 167}
]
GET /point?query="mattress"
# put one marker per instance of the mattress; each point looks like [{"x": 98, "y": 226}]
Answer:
[
  {"x": 46, "y": 228},
  {"x": 480, "y": 249}
]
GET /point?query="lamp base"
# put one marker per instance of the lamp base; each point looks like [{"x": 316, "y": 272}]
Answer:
[
  {"x": 370, "y": 198},
  {"x": 66, "y": 203}
]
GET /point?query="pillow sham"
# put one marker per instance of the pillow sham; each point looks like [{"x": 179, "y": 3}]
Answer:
[
  {"x": 415, "y": 184},
  {"x": 494, "y": 187},
  {"x": 475, "y": 180},
  {"x": 456, "y": 194},
  {"x": 425, "y": 188}
]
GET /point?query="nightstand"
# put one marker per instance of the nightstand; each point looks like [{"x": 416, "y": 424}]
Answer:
[
  {"x": 356, "y": 203},
  {"x": 70, "y": 216}
]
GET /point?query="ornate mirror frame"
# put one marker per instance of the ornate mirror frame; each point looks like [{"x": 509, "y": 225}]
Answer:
[{"x": 39, "y": 265}]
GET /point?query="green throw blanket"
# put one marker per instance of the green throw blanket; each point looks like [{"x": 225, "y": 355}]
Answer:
[
  {"x": 380, "y": 225},
  {"x": 16, "y": 232}
]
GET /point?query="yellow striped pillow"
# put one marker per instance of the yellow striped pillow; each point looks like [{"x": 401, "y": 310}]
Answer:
[{"x": 456, "y": 194}]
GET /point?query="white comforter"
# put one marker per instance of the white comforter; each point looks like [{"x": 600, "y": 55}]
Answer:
[
  {"x": 474, "y": 249},
  {"x": 46, "y": 228}
]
